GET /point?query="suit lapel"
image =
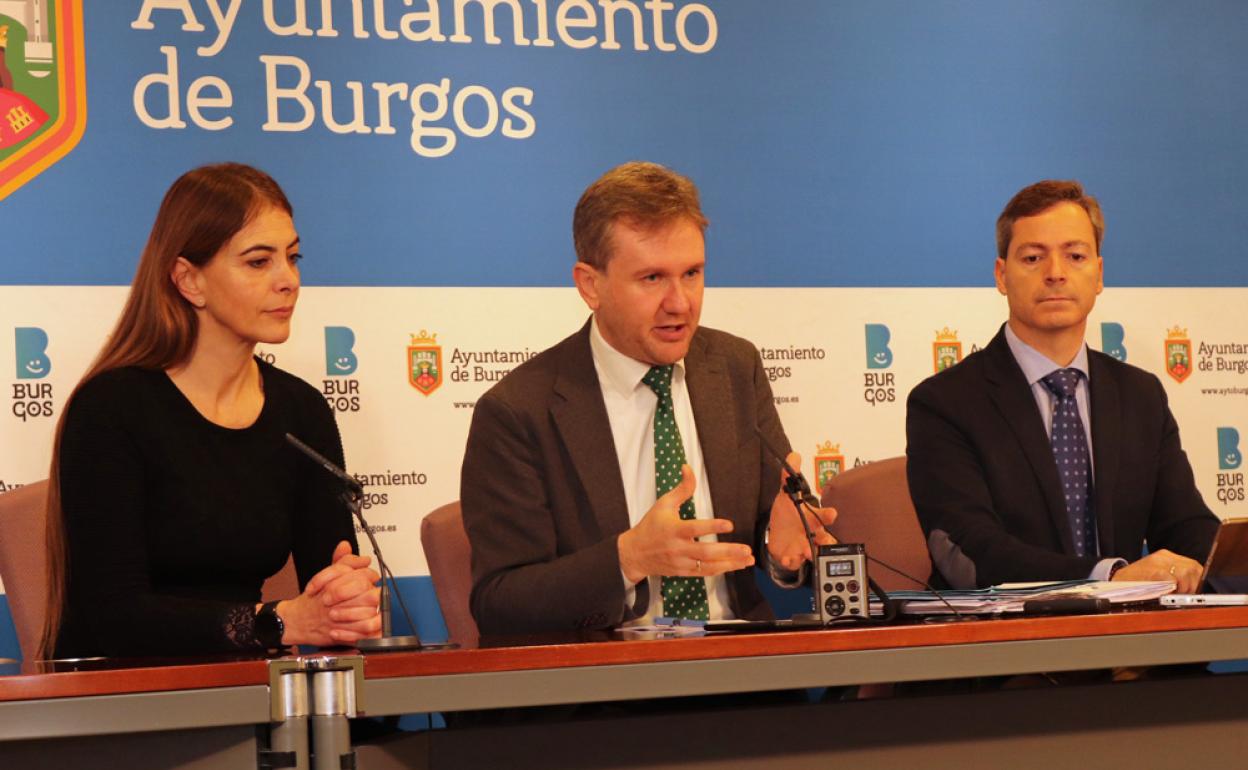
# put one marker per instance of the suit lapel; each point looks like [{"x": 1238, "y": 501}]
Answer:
[
  {"x": 1009, "y": 391},
  {"x": 1106, "y": 415},
  {"x": 710, "y": 395},
  {"x": 580, "y": 415}
]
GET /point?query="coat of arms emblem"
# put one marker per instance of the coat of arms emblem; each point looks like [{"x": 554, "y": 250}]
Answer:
[
  {"x": 829, "y": 462},
  {"x": 1178, "y": 354},
  {"x": 946, "y": 350},
  {"x": 43, "y": 101},
  {"x": 424, "y": 358}
]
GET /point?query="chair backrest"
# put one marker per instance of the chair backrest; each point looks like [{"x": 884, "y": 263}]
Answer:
[
  {"x": 284, "y": 584},
  {"x": 450, "y": 565},
  {"x": 874, "y": 507},
  {"x": 23, "y": 561},
  {"x": 24, "y": 570}
]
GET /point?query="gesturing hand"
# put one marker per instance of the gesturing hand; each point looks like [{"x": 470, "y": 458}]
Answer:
[
  {"x": 664, "y": 544},
  {"x": 787, "y": 542}
]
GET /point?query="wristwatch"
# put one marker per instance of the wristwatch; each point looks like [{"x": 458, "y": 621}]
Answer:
[{"x": 269, "y": 626}]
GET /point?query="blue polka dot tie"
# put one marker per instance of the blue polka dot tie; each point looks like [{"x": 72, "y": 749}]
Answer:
[
  {"x": 1074, "y": 464},
  {"x": 683, "y": 597}
]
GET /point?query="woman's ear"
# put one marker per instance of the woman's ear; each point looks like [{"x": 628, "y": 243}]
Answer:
[{"x": 185, "y": 277}]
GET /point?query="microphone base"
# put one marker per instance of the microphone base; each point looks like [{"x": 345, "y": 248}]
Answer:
[
  {"x": 401, "y": 644},
  {"x": 805, "y": 620}
]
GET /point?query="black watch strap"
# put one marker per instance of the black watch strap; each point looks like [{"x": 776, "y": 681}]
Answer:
[{"x": 269, "y": 626}]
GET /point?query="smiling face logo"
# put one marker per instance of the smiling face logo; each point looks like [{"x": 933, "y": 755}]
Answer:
[
  {"x": 43, "y": 101},
  {"x": 878, "y": 354},
  {"x": 1112, "y": 336},
  {"x": 31, "y": 345},
  {"x": 340, "y": 357},
  {"x": 1229, "y": 456}
]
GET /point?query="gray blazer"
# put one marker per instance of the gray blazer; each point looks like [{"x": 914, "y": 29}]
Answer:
[{"x": 543, "y": 498}]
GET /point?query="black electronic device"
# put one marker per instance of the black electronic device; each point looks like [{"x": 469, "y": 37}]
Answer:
[
  {"x": 1226, "y": 569},
  {"x": 269, "y": 626},
  {"x": 1070, "y": 605}
]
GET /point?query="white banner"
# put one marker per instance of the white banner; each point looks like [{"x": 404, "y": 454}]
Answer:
[{"x": 402, "y": 368}]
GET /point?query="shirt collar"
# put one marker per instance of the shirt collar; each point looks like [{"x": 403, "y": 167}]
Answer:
[
  {"x": 618, "y": 371},
  {"x": 1036, "y": 365}
]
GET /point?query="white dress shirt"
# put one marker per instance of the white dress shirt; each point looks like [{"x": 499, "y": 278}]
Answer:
[{"x": 630, "y": 411}]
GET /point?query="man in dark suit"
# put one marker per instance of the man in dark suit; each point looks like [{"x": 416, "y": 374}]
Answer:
[
  {"x": 1001, "y": 448},
  {"x": 618, "y": 475}
]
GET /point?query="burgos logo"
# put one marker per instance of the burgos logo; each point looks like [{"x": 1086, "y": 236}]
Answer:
[
  {"x": 878, "y": 354},
  {"x": 1112, "y": 335},
  {"x": 340, "y": 357},
  {"x": 31, "y": 344},
  {"x": 1229, "y": 456}
]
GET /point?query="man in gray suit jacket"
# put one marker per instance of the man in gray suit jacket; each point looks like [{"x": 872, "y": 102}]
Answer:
[
  {"x": 1037, "y": 458},
  {"x": 619, "y": 475}
]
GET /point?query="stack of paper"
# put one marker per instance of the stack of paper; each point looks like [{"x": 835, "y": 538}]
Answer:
[{"x": 1010, "y": 597}]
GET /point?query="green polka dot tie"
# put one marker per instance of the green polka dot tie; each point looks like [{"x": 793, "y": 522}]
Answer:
[{"x": 683, "y": 597}]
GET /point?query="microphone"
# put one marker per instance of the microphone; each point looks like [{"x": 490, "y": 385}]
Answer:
[
  {"x": 829, "y": 612},
  {"x": 352, "y": 483},
  {"x": 795, "y": 485},
  {"x": 353, "y": 497},
  {"x": 795, "y": 479}
]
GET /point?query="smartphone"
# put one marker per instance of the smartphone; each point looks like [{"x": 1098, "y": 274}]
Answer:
[{"x": 1204, "y": 600}]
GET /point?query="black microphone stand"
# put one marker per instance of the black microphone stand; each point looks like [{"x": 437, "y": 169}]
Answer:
[
  {"x": 353, "y": 497},
  {"x": 798, "y": 491}
]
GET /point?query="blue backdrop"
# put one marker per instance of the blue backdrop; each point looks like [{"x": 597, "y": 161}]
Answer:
[{"x": 836, "y": 143}]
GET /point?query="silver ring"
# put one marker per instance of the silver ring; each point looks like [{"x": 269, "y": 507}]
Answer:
[{"x": 697, "y": 566}]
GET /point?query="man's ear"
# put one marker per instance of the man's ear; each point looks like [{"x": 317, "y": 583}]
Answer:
[
  {"x": 185, "y": 277},
  {"x": 586, "y": 277},
  {"x": 999, "y": 273}
]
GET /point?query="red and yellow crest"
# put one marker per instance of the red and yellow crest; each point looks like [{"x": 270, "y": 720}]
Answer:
[
  {"x": 946, "y": 350},
  {"x": 1178, "y": 354},
  {"x": 424, "y": 359},
  {"x": 43, "y": 99},
  {"x": 829, "y": 462}
]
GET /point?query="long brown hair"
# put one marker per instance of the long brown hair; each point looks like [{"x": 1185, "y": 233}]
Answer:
[{"x": 157, "y": 330}]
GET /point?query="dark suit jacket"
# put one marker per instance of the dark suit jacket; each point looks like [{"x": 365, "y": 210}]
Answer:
[
  {"x": 987, "y": 489},
  {"x": 543, "y": 498}
]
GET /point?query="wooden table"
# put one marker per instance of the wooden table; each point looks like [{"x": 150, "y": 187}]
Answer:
[
  {"x": 206, "y": 713},
  {"x": 137, "y": 714},
  {"x": 1165, "y": 723}
]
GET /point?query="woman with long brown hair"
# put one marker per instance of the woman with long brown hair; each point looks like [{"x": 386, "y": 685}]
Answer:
[{"x": 173, "y": 493}]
